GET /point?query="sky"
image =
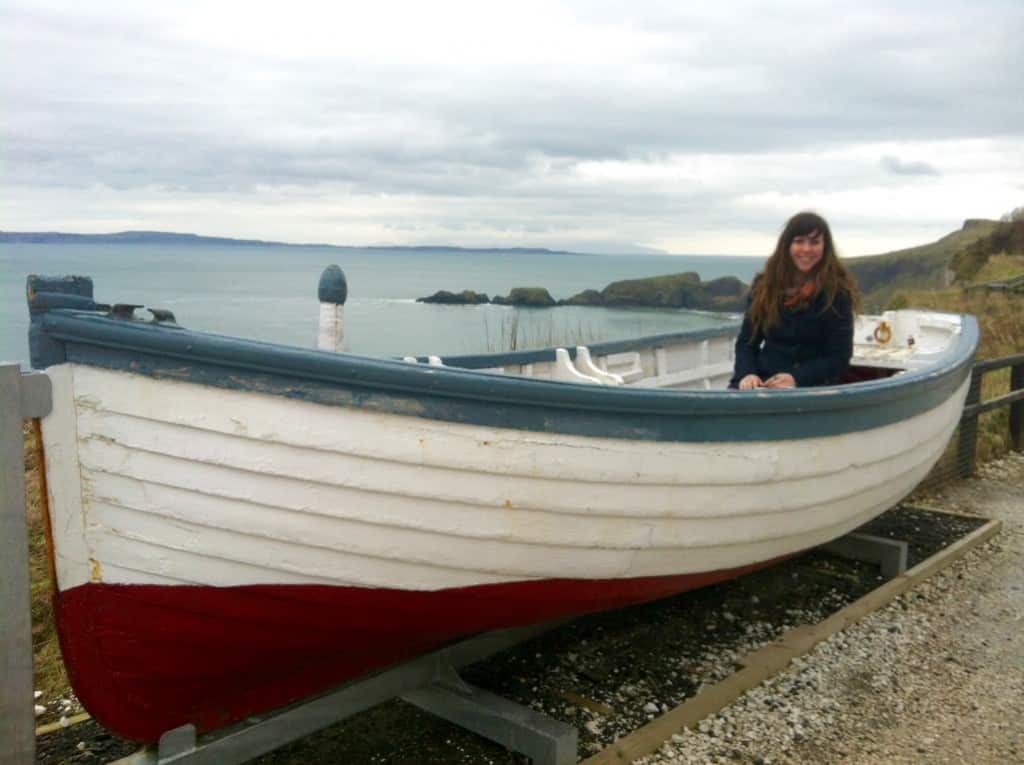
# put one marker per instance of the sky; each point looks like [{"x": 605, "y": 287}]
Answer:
[{"x": 679, "y": 127}]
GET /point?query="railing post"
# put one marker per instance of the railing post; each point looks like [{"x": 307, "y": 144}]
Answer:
[
  {"x": 21, "y": 396},
  {"x": 967, "y": 445},
  {"x": 1017, "y": 409}
]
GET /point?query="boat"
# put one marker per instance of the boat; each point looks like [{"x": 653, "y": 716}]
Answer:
[{"x": 238, "y": 524}]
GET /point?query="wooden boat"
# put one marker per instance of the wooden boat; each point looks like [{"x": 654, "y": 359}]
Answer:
[{"x": 238, "y": 524}]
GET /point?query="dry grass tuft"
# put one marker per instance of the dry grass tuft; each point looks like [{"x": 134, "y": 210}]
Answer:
[{"x": 50, "y": 677}]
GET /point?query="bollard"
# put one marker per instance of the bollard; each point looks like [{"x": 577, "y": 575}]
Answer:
[{"x": 332, "y": 292}]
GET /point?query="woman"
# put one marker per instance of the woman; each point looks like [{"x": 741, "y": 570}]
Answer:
[{"x": 798, "y": 327}]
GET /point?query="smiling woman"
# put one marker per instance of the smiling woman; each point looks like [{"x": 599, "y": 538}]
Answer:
[{"x": 798, "y": 327}]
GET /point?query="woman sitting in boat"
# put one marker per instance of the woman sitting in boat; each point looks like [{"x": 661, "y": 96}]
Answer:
[{"x": 798, "y": 326}]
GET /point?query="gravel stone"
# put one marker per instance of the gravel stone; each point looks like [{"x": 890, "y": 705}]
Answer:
[{"x": 936, "y": 676}]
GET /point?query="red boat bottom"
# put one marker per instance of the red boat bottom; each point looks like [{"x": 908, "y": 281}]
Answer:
[{"x": 147, "y": 658}]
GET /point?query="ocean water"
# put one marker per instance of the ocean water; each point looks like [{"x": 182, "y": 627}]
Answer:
[{"x": 269, "y": 293}]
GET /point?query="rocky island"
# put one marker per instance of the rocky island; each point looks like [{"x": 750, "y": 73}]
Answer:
[{"x": 685, "y": 290}]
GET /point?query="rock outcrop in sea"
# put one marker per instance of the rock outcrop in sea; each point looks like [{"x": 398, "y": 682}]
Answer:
[
  {"x": 466, "y": 297},
  {"x": 529, "y": 297},
  {"x": 684, "y": 290}
]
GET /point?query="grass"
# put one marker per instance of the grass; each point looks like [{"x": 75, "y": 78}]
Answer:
[
  {"x": 1001, "y": 267},
  {"x": 511, "y": 333},
  {"x": 50, "y": 677},
  {"x": 924, "y": 266}
]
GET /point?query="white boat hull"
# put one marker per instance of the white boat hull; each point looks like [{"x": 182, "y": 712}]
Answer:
[{"x": 177, "y": 482}]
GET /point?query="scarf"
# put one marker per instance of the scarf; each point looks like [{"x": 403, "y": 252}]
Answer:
[{"x": 794, "y": 296}]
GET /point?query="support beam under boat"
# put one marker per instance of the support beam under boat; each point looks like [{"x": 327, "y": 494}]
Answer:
[
  {"x": 890, "y": 555},
  {"x": 429, "y": 681},
  {"x": 544, "y": 740}
]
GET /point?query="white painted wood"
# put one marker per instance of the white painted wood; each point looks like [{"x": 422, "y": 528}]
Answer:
[
  {"x": 390, "y": 438},
  {"x": 565, "y": 371},
  {"x": 502, "y": 542},
  {"x": 64, "y": 481},
  {"x": 142, "y": 449},
  {"x": 286, "y": 507},
  {"x": 331, "y": 334},
  {"x": 435, "y": 361},
  {"x": 585, "y": 364},
  {"x": 684, "y": 377},
  {"x": 180, "y": 482},
  {"x": 661, "y": 366},
  {"x": 625, "y": 365}
]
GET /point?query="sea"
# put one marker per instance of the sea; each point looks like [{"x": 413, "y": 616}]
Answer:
[{"x": 269, "y": 293}]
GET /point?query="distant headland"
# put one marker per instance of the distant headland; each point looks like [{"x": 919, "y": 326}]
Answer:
[{"x": 166, "y": 237}]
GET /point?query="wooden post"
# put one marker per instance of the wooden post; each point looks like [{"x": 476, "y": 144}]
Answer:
[
  {"x": 967, "y": 445},
  {"x": 1017, "y": 408},
  {"x": 332, "y": 292},
  {"x": 21, "y": 397}
]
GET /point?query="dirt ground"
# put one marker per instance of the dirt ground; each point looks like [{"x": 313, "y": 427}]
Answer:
[{"x": 936, "y": 677}]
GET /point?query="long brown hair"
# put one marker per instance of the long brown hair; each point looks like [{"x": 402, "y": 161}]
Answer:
[{"x": 768, "y": 290}]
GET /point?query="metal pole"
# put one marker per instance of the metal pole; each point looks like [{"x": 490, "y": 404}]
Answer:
[
  {"x": 1017, "y": 409},
  {"x": 21, "y": 396}
]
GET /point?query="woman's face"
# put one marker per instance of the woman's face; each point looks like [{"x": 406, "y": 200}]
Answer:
[{"x": 806, "y": 251}]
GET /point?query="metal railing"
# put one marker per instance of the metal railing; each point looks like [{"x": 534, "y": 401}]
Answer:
[
  {"x": 961, "y": 458},
  {"x": 1005, "y": 285}
]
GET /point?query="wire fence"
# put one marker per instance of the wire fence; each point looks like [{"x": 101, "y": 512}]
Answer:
[{"x": 987, "y": 427}]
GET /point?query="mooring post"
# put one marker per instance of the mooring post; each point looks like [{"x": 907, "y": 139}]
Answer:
[
  {"x": 1017, "y": 408},
  {"x": 21, "y": 397},
  {"x": 967, "y": 445},
  {"x": 332, "y": 292}
]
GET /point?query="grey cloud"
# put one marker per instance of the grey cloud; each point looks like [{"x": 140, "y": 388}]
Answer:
[
  {"x": 188, "y": 119},
  {"x": 896, "y": 166}
]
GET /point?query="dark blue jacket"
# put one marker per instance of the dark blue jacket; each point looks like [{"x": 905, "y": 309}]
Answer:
[{"x": 814, "y": 344}]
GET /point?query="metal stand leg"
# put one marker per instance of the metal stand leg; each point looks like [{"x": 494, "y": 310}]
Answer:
[
  {"x": 889, "y": 554},
  {"x": 514, "y": 726},
  {"x": 21, "y": 397}
]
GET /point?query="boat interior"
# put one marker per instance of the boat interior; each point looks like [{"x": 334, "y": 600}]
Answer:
[{"x": 884, "y": 345}]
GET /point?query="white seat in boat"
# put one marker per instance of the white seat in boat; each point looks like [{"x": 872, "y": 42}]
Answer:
[
  {"x": 564, "y": 370},
  {"x": 586, "y": 365},
  {"x": 410, "y": 360},
  {"x": 625, "y": 365},
  {"x": 435, "y": 361}
]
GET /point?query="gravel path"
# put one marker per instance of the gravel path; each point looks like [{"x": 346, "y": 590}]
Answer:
[{"x": 936, "y": 677}]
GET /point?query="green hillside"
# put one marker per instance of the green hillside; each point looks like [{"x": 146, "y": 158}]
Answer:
[{"x": 921, "y": 267}]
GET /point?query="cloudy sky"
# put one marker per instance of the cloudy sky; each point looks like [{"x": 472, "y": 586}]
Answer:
[{"x": 596, "y": 126}]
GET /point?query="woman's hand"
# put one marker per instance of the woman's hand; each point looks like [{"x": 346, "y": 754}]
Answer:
[
  {"x": 780, "y": 380},
  {"x": 750, "y": 382}
]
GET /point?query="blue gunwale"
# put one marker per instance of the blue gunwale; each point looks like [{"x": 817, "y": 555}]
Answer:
[{"x": 464, "y": 395}]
